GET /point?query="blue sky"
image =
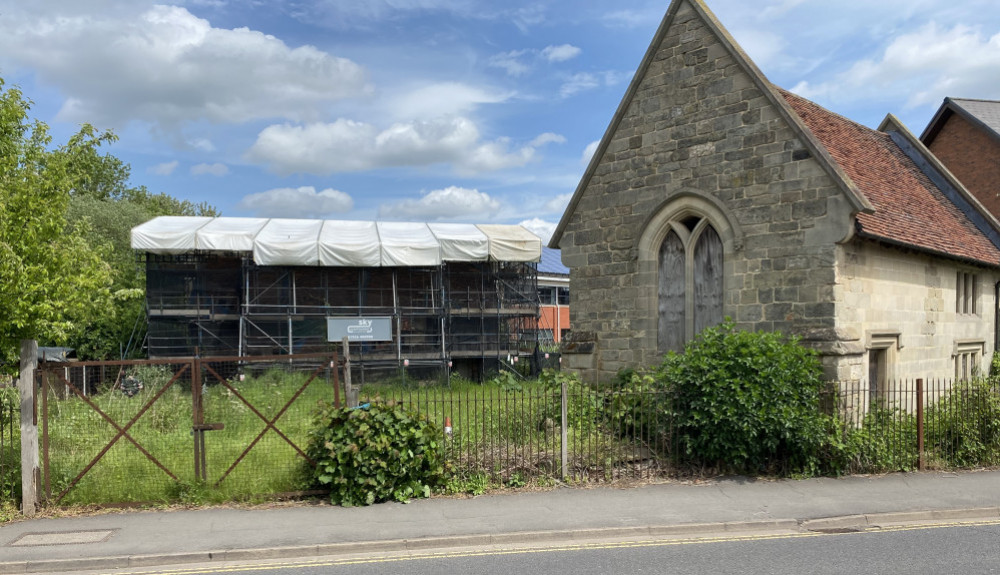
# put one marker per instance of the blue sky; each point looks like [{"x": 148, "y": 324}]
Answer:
[{"x": 437, "y": 110}]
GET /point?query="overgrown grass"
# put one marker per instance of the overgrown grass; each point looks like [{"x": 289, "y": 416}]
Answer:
[{"x": 78, "y": 433}]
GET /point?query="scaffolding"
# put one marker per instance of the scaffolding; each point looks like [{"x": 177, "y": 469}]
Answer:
[{"x": 470, "y": 316}]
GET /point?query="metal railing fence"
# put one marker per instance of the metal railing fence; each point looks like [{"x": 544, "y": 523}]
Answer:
[{"x": 10, "y": 446}]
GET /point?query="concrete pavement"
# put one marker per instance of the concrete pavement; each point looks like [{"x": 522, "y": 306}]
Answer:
[{"x": 149, "y": 538}]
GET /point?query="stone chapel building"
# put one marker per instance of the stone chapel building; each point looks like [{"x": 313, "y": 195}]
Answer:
[{"x": 714, "y": 193}]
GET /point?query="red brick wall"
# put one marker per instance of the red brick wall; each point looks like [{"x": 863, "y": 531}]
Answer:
[
  {"x": 555, "y": 318},
  {"x": 974, "y": 157}
]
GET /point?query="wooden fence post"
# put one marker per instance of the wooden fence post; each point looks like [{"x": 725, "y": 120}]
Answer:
[
  {"x": 29, "y": 428},
  {"x": 920, "y": 424}
]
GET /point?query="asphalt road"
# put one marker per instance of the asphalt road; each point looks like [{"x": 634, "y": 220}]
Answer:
[{"x": 910, "y": 549}]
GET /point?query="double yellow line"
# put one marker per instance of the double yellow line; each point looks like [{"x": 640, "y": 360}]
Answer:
[{"x": 403, "y": 556}]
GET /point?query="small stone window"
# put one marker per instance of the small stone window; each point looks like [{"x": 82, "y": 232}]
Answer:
[
  {"x": 966, "y": 293},
  {"x": 690, "y": 285},
  {"x": 968, "y": 358}
]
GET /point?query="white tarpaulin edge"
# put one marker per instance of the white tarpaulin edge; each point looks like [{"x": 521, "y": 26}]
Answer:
[
  {"x": 278, "y": 241},
  {"x": 229, "y": 234},
  {"x": 168, "y": 234},
  {"x": 512, "y": 243},
  {"x": 461, "y": 242}
]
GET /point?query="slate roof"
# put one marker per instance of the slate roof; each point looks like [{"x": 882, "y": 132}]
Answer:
[
  {"x": 984, "y": 113},
  {"x": 551, "y": 263},
  {"x": 909, "y": 209}
]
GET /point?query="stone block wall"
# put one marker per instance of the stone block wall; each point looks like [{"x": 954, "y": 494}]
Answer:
[
  {"x": 884, "y": 290},
  {"x": 700, "y": 133}
]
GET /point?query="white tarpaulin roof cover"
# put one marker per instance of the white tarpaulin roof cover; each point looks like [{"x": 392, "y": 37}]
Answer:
[
  {"x": 512, "y": 243},
  {"x": 349, "y": 243},
  {"x": 461, "y": 242},
  {"x": 286, "y": 242}
]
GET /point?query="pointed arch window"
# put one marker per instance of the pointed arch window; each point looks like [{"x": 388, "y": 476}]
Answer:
[{"x": 689, "y": 283}]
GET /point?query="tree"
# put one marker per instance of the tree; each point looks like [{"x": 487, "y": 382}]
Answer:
[{"x": 52, "y": 283}]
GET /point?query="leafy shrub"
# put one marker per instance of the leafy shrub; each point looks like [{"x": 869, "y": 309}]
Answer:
[
  {"x": 746, "y": 402},
  {"x": 10, "y": 450},
  {"x": 885, "y": 442},
  {"x": 379, "y": 453},
  {"x": 585, "y": 406},
  {"x": 963, "y": 428}
]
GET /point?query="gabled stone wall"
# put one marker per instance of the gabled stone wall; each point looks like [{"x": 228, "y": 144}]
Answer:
[{"x": 699, "y": 135}]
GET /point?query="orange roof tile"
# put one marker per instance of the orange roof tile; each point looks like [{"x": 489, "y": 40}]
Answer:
[{"x": 909, "y": 208}]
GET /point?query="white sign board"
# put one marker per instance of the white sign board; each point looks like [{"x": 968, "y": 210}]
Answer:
[{"x": 359, "y": 328}]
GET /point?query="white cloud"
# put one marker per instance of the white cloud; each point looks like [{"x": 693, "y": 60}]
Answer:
[
  {"x": 303, "y": 202},
  {"x": 448, "y": 203},
  {"x": 516, "y": 62},
  {"x": 511, "y": 62},
  {"x": 353, "y": 14},
  {"x": 209, "y": 170},
  {"x": 633, "y": 18},
  {"x": 547, "y": 138},
  {"x": 350, "y": 146},
  {"x": 558, "y": 204},
  {"x": 582, "y": 81},
  {"x": 164, "y": 169},
  {"x": 528, "y": 16},
  {"x": 201, "y": 144},
  {"x": 589, "y": 151},
  {"x": 925, "y": 65},
  {"x": 164, "y": 66},
  {"x": 560, "y": 53},
  {"x": 540, "y": 228},
  {"x": 578, "y": 83},
  {"x": 443, "y": 99}
]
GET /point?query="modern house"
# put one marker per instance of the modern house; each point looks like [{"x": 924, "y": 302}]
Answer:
[
  {"x": 432, "y": 294},
  {"x": 715, "y": 193},
  {"x": 553, "y": 297},
  {"x": 965, "y": 135}
]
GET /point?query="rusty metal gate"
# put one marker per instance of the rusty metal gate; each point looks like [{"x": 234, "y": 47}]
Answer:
[{"x": 185, "y": 429}]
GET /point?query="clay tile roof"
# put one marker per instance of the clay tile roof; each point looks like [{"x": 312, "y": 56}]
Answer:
[{"x": 909, "y": 209}]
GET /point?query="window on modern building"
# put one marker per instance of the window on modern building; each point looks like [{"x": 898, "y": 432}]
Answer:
[
  {"x": 546, "y": 295},
  {"x": 966, "y": 293},
  {"x": 968, "y": 359},
  {"x": 563, "y": 296},
  {"x": 690, "y": 284}
]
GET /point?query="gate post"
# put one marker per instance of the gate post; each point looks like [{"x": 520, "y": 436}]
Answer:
[{"x": 29, "y": 428}]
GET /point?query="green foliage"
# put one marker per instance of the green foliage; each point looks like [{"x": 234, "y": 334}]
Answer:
[
  {"x": 10, "y": 451},
  {"x": 584, "y": 405},
  {"x": 380, "y": 453},
  {"x": 745, "y": 402},
  {"x": 52, "y": 283},
  {"x": 963, "y": 428}
]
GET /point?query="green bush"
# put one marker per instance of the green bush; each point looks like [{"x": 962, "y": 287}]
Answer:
[
  {"x": 746, "y": 402},
  {"x": 963, "y": 427},
  {"x": 585, "y": 407},
  {"x": 885, "y": 442},
  {"x": 377, "y": 453}
]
